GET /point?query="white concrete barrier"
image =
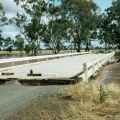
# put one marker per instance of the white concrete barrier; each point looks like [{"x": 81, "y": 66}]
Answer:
[{"x": 91, "y": 67}]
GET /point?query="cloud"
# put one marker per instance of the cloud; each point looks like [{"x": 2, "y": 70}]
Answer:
[
  {"x": 11, "y": 8},
  {"x": 9, "y": 31}
]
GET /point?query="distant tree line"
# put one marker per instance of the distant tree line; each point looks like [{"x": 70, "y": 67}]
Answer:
[{"x": 77, "y": 22}]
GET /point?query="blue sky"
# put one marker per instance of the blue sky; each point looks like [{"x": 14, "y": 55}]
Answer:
[{"x": 103, "y": 4}]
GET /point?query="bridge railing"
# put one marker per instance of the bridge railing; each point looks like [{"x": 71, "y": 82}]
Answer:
[
  {"x": 91, "y": 67},
  {"x": 12, "y": 62}
]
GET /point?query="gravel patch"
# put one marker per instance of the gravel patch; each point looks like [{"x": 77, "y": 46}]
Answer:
[{"x": 14, "y": 97}]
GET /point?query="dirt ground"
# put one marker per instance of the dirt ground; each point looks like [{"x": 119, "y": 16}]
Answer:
[{"x": 110, "y": 73}]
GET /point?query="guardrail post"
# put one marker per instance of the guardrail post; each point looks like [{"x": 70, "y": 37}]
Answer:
[
  {"x": 97, "y": 65},
  {"x": 85, "y": 69},
  {"x": 107, "y": 60},
  {"x": 11, "y": 63},
  {"x": 100, "y": 63},
  {"x": 93, "y": 68},
  {"x": 103, "y": 62}
]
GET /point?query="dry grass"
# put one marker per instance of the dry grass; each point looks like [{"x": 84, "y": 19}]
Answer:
[
  {"x": 11, "y": 53},
  {"x": 76, "y": 102},
  {"x": 39, "y": 52},
  {"x": 88, "y": 105},
  {"x": 15, "y": 52},
  {"x": 117, "y": 53}
]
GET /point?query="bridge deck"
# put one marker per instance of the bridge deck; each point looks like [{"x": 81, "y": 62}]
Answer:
[{"x": 64, "y": 67}]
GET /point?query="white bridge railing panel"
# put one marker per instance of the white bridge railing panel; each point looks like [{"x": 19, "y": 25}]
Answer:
[
  {"x": 91, "y": 67},
  {"x": 12, "y": 62}
]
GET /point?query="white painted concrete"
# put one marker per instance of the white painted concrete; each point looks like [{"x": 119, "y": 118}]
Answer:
[
  {"x": 64, "y": 67},
  {"x": 12, "y": 62},
  {"x": 91, "y": 67}
]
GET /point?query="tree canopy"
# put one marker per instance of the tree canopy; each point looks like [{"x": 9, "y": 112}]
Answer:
[
  {"x": 57, "y": 22},
  {"x": 31, "y": 27},
  {"x": 83, "y": 15},
  {"x": 3, "y": 21},
  {"x": 113, "y": 16}
]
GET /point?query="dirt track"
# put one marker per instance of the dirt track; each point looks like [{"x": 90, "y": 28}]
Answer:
[
  {"x": 110, "y": 73},
  {"x": 14, "y": 97}
]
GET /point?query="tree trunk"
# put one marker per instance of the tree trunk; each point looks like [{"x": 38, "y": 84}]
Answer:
[
  {"x": 105, "y": 46},
  {"x": 78, "y": 45},
  {"x": 55, "y": 51},
  {"x": 74, "y": 45},
  {"x": 87, "y": 47},
  {"x": 32, "y": 51}
]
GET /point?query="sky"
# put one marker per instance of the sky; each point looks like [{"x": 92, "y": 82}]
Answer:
[
  {"x": 103, "y": 4},
  {"x": 10, "y": 9}
]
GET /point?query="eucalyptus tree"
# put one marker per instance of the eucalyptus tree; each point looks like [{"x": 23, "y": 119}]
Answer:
[
  {"x": 89, "y": 30},
  {"x": 3, "y": 18},
  {"x": 82, "y": 14},
  {"x": 19, "y": 43},
  {"x": 86, "y": 37},
  {"x": 110, "y": 28},
  {"x": 103, "y": 34},
  {"x": 55, "y": 28},
  {"x": 8, "y": 44},
  {"x": 54, "y": 38},
  {"x": 3, "y": 21},
  {"x": 1, "y": 40},
  {"x": 31, "y": 25},
  {"x": 113, "y": 15}
]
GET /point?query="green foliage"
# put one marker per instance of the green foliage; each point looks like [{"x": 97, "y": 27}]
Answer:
[
  {"x": 27, "y": 48},
  {"x": 9, "y": 48},
  {"x": 56, "y": 28},
  {"x": 8, "y": 44},
  {"x": 3, "y": 18},
  {"x": 3, "y": 21},
  {"x": 67, "y": 19},
  {"x": 1, "y": 40},
  {"x": 83, "y": 15},
  {"x": 75, "y": 21},
  {"x": 19, "y": 43},
  {"x": 102, "y": 94},
  {"x": 32, "y": 28},
  {"x": 113, "y": 23}
]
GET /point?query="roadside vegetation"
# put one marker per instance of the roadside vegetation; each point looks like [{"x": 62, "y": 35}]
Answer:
[
  {"x": 47, "y": 52},
  {"x": 117, "y": 53},
  {"x": 44, "y": 52},
  {"x": 75, "y": 102}
]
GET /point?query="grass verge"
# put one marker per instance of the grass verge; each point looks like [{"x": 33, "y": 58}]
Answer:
[
  {"x": 76, "y": 102},
  {"x": 117, "y": 53},
  {"x": 15, "y": 52}
]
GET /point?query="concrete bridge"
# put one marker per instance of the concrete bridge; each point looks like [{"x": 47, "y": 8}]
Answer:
[{"x": 53, "y": 69}]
